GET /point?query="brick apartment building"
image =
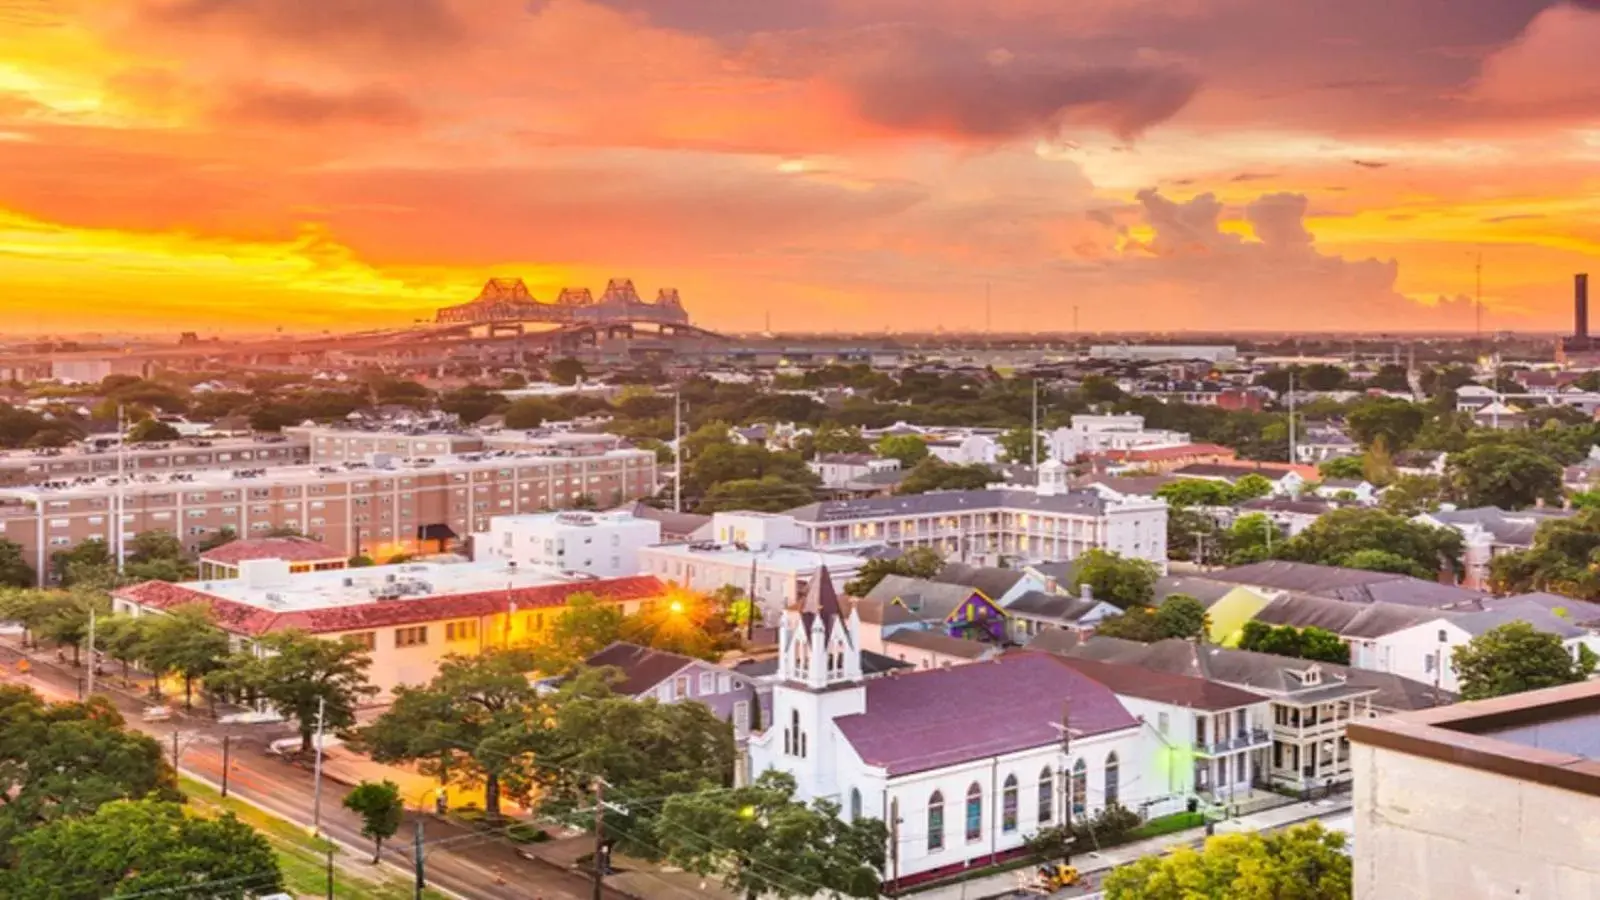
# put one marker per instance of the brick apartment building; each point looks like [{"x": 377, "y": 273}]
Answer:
[
  {"x": 380, "y": 507},
  {"x": 22, "y": 467}
]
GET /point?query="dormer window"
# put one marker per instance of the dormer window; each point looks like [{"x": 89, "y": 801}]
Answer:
[{"x": 1312, "y": 675}]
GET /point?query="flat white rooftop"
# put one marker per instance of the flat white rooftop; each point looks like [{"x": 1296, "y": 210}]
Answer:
[
  {"x": 158, "y": 448},
  {"x": 267, "y": 584},
  {"x": 245, "y": 477},
  {"x": 778, "y": 559}
]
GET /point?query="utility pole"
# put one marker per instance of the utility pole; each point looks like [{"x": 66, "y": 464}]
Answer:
[
  {"x": 120, "y": 500},
  {"x": 1200, "y": 549},
  {"x": 316, "y": 774},
  {"x": 599, "y": 837},
  {"x": 988, "y": 310},
  {"x": 227, "y": 741},
  {"x": 677, "y": 451},
  {"x": 174, "y": 749},
  {"x": 416, "y": 856},
  {"x": 330, "y": 870},
  {"x": 750, "y": 618},
  {"x": 90, "y": 691},
  {"x": 1292, "y": 456},
  {"x": 1477, "y": 304},
  {"x": 1033, "y": 437}
]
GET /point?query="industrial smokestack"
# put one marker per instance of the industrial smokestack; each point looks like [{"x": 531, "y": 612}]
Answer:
[{"x": 1580, "y": 305}]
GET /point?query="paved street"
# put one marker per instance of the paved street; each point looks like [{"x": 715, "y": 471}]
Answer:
[{"x": 494, "y": 870}]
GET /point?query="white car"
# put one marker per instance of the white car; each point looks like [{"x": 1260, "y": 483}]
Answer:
[{"x": 156, "y": 713}]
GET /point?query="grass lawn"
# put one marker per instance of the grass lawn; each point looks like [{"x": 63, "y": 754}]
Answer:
[
  {"x": 304, "y": 859},
  {"x": 1181, "y": 821}
]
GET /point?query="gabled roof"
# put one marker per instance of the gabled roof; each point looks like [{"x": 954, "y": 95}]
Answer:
[
  {"x": 1346, "y": 619},
  {"x": 935, "y": 718},
  {"x": 927, "y": 601},
  {"x": 253, "y": 621},
  {"x": 1276, "y": 676},
  {"x": 1581, "y": 612},
  {"x": 1164, "y": 687},
  {"x": 1514, "y": 528},
  {"x": 935, "y": 642},
  {"x": 1056, "y": 607},
  {"x": 672, "y": 523},
  {"x": 642, "y": 667},
  {"x": 1532, "y": 613},
  {"x": 1231, "y": 472},
  {"x": 289, "y": 549},
  {"x": 994, "y": 582},
  {"x": 821, "y": 600},
  {"x": 1206, "y": 590},
  {"x": 1353, "y": 585}
]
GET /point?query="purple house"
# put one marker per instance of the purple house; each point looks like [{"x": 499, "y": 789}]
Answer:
[{"x": 673, "y": 677}]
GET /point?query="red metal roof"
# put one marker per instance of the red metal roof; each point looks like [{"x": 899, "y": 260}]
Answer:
[
  {"x": 1181, "y": 451},
  {"x": 289, "y": 549},
  {"x": 243, "y": 618}
]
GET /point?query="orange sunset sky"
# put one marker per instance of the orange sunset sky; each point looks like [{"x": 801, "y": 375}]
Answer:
[{"x": 839, "y": 164}]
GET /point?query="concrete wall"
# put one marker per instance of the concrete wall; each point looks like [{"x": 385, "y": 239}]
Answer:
[{"x": 1426, "y": 829}]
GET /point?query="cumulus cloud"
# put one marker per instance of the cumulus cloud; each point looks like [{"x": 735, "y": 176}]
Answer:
[
  {"x": 1551, "y": 67},
  {"x": 933, "y": 83}
]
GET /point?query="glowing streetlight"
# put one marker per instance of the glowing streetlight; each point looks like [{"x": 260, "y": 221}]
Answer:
[{"x": 675, "y": 606}]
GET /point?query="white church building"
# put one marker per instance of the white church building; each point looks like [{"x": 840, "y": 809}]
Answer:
[{"x": 963, "y": 764}]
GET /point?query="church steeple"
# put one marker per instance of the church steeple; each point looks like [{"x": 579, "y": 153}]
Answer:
[{"x": 817, "y": 644}]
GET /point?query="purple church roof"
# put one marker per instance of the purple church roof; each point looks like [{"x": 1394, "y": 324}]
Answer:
[{"x": 943, "y": 717}]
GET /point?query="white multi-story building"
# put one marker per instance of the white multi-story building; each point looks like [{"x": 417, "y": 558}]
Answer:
[
  {"x": 1425, "y": 652},
  {"x": 605, "y": 545},
  {"x": 968, "y": 761},
  {"x": 965, "y": 449},
  {"x": 1101, "y": 434},
  {"x": 989, "y": 526},
  {"x": 761, "y": 554}
]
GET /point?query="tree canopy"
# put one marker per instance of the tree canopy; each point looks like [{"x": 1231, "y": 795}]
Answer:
[
  {"x": 918, "y": 562},
  {"x": 139, "y": 848},
  {"x": 1303, "y": 643},
  {"x": 1560, "y": 559},
  {"x": 1177, "y": 616},
  {"x": 1514, "y": 658},
  {"x": 1336, "y": 538},
  {"x": 66, "y": 759},
  {"x": 908, "y": 448},
  {"x": 1504, "y": 475},
  {"x": 300, "y": 672},
  {"x": 1305, "y": 862},
  {"x": 761, "y": 842},
  {"x": 380, "y": 807},
  {"x": 933, "y": 474},
  {"x": 1121, "y": 581}
]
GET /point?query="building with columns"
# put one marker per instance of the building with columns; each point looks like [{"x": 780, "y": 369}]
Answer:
[{"x": 987, "y": 527}]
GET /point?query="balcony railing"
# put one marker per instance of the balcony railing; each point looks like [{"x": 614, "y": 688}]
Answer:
[{"x": 1255, "y": 737}]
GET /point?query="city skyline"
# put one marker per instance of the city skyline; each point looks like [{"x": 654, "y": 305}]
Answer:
[{"x": 835, "y": 164}]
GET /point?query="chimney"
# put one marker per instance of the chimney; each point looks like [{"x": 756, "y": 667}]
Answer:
[
  {"x": 1085, "y": 591},
  {"x": 1580, "y": 305}
]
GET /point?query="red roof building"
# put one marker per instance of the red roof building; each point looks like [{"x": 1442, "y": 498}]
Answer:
[{"x": 302, "y": 553}]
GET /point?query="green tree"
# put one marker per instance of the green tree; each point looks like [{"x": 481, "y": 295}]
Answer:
[
  {"x": 585, "y": 627},
  {"x": 1397, "y": 422},
  {"x": 299, "y": 674},
  {"x": 1337, "y": 535},
  {"x": 1191, "y": 532},
  {"x": 1503, "y": 475},
  {"x": 1514, "y": 658},
  {"x": 1301, "y": 643},
  {"x": 1342, "y": 467},
  {"x": 123, "y": 638},
  {"x": 640, "y": 749},
  {"x": 934, "y": 474},
  {"x": 218, "y": 538},
  {"x": 380, "y": 807},
  {"x": 152, "y": 430},
  {"x": 908, "y": 448},
  {"x": 1018, "y": 445},
  {"x": 1192, "y": 492},
  {"x": 475, "y": 724},
  {"x": 14, "y": 570},
  {"x": 1251, "y": 538},
  {"x": 64, "y": 760},
  {"x": 131, "y": 848},
  {"x": 1181, "y": 616},
  {"x": 531, "y": 412},
  {"x": 471, "y": 402},
  {"x": 1305, "y": 862},
  {"x": 1410, "y": 495},
  {"x": 1117, "y": 580},
  {"x": 831, "y": 438},
  {"x": 767, "y": 494},
  {"x": 185, "y": 642},
  {"x": 67, "y": 623},
  {"x": 1178, "y": 616},
  {"x": 90, "y": 561},
  {"x": 1558, "y": 561},
  {"x": 567, "y": 371},
  {"x": 1249, "y": 488},
  {"x": 1375, "y": 560},
  {"x": 761, "y": 842},
  {"x": 918, "y": 562}
]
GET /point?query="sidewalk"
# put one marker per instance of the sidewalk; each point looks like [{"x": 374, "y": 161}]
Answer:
[{"x": 1094, "y": 865}]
